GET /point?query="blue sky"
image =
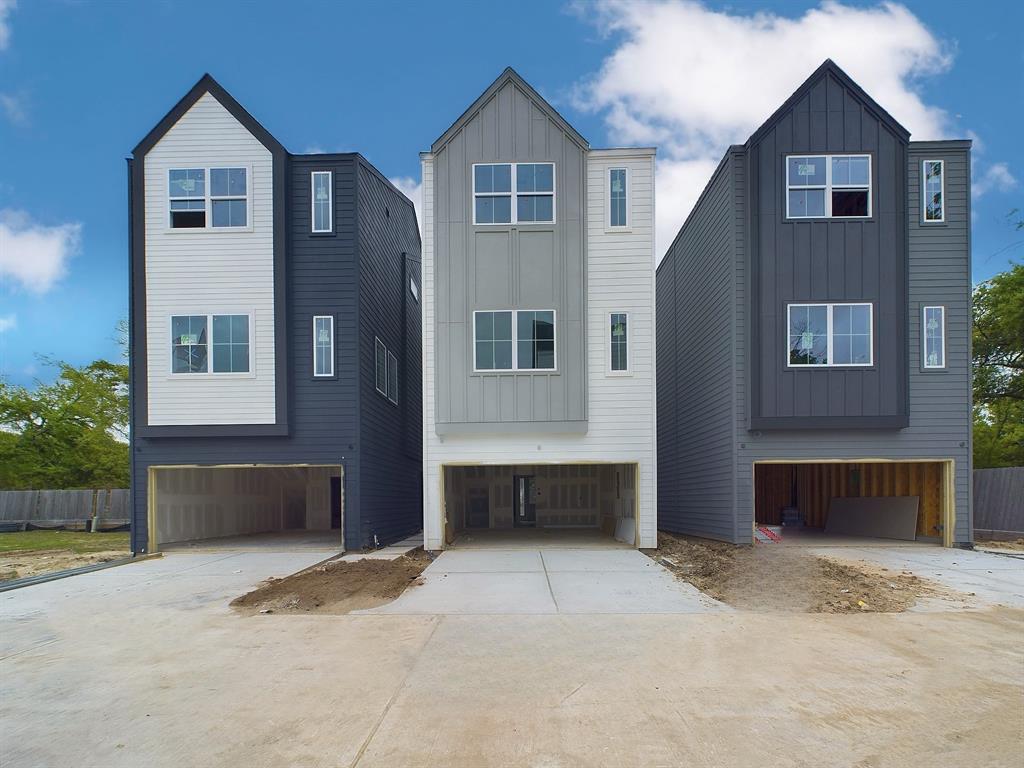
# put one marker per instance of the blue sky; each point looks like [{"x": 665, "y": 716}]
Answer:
[{"x": 81, "y": 83}]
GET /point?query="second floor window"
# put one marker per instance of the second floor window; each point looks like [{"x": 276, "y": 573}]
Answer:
[
  {"x": 192, "y": 348},
  {"x": 381, "y": 367},
  {"x": 823, "y": 335},
  {"x": 828, "y": 186},
  {"x": 496, "y": 184},
  {"x": 323, "y": 201},
  {"x": 323, "y": 345},
  {"x": 619, "y": 340},
  {"x": 931, "y": 193},
  {"x": 199, "y": 198},
  {"x": 617, "y": 212},
  {"x": 933, "y": 332},
  {"x": 514, "y": 340}
]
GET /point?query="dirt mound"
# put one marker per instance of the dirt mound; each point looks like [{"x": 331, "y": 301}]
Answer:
[
  {"x": 336, "y": 586},
  {"x": 1013, "y": 545},
  {"x": 779, "y": 578}
]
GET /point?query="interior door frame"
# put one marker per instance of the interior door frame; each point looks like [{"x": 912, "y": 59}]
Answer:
[{"x": 515, "y": 502}]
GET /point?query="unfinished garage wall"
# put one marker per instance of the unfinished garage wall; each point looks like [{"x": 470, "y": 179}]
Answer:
[{"x": 318, "y": 497}]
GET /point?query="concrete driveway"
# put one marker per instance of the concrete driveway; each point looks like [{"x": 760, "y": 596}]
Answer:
[{"x": 146, "y": 665}]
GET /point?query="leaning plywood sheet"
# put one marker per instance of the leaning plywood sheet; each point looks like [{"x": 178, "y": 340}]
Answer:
[{"x": 885, "y": 517}]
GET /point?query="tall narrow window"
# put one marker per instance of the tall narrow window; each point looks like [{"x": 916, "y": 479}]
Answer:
[
  {"x": 492, "y": 341},
  {"x": 830, "y": 335},
  {"x": 189, "y": 347},
  {"x": 323, "y": 345},
  {"x": 934, "y": 335},
  {"x": 392, "y": 378},
  {"x": 323, "y": 201},
  {"x": 932, "y": 192},
  {"x": 228, "y": 197},
  {"x": 619, "y": 341},
  {"x": 535, "y": 345},
  {"x": 186, "y": 193},
  {"x": 828, "y": 186},
  {"x": 381, "y": 363},
  {"x": 230, "y": 343},
  {"x": 617, "y": 202}
]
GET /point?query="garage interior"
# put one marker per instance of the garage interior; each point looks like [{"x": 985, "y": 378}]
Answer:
[
  {"x": 905, "y": 500},
  {"x": 565, "y": 501},
  {"x": 301, "y": 504}
]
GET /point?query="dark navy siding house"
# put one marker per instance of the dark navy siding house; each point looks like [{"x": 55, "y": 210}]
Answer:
[
  {"x": 813, "y": 331},
  {"x": 275, "y": 337}
]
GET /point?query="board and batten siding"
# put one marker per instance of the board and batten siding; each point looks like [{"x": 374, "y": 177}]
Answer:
[
  {"x": 696, "y": 331},
  {"x": 209, "y": 272},
  {"x": 621, "y": 427},
  {"x": 940, "y": 400}
]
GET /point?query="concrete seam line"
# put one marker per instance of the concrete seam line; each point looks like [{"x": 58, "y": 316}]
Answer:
[
  {"x": 547, "y": 578},
  {"x": 394, "y": 696}
]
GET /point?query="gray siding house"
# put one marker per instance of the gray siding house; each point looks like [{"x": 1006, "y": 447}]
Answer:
[
  {"x": 275, "y": 337},
  {"x": 814, "y": 324}
]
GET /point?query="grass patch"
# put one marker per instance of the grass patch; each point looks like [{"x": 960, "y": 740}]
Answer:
[{"x": 70, "y": 541}]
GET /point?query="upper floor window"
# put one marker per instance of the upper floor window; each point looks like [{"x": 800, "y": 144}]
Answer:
[
  {"x": 618, "y": 212},
  {"x": 381, "y": 366},
  {"x": 392, "y": 377},
  {"x": 520, "y": 340},
  {"x": 828, "y": 186},
  {"x": 534, "y": 193},
  {"x": 323, "y": 201},
  {"x": 195, "y": 204},
  {"x": 618, "y": 357},
  {"x": 933, "y": 334},
  {"x": 323, "y": 345},
  {"x": 191, "y": 345},
  {"x": 933, "y": 186},
  {"x": 823, "y": 335},
  {"x": 414, "y": 290}
]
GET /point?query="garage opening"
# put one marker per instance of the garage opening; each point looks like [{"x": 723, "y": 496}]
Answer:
[
  {"x": 907, "y": 500},
  {"x": 540, "y": 502},
  {"x": 256, "y": 505}
]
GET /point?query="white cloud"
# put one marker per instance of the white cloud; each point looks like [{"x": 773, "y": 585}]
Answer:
[
  {"x": 694, "y": 80},
  {"x": 8, "y": 323},
  {"x": 6, "y": 6},
  {"x": 32, "y": 255},
  {"x": 996, "y": 177},
  {"x": 412, "y": 189},
  {"x": 13, "y": 107}
]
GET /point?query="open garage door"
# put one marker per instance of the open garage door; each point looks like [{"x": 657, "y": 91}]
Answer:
[
  {"x": 300, "y": 504},
  {"x": 527, "y": 502},
  {"x": 906, "y": 500}
]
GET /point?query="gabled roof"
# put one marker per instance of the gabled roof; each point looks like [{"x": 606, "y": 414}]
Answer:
[
  {"x": 509, "y": 76},
  {"x": 206, "y": 85},
  {"x": 829, "y": 67}
]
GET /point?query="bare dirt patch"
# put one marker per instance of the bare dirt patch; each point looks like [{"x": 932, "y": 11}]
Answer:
[
  {"x": 21, "y": 565},
  {"x": 1015, "y": 545},
  {"x": 336, "y": 586},
  {"x": 778, "y": 578}
]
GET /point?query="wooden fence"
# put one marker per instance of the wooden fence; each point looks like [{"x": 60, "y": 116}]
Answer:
[
  {"x": 84, "y": 510},
  {"x": 999, "y": 503}
]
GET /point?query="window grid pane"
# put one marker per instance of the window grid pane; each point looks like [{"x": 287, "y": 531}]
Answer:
[
  {"x": 830, "y": 334},
  {"x": 828, "y": 186},
  {"x": 536, "y": 339},
  {"x": 493, "y": 192},
  {"x": 230, "y": 343},
  {"x": 933, "y": 191},
  {"x": 619, "y": 341},
  {"x": 188, "y": 344},
  {"x": 322, "y": 193},
  {"x": 493, "y": 340},
  {"x": 934, "y": 337},
  {"x": 617, "y": 197},
  {"x": 323, "y": 346}
]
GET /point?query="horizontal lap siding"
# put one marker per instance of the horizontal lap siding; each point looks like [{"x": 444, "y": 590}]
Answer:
[
  {"x": 696, "y": 366},
  {"x": 391, "y": 462},
  {"x": 321, "y": 280}
]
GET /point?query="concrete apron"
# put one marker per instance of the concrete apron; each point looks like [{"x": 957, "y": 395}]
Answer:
[{"x": 548, "y": 581}]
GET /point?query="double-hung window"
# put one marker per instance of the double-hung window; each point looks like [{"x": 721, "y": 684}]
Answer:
[
  {"x": 514, "y": 340},
  {"x": 618, "y": 351},
  {"x": 932, "y": 188},
  {"x": 195, "y": 350},
  {"x": 323, "y": 345},
  {"x": 618, "y": 210},
  {"x": 201, "y": 198},
  {"x": 828, "y": 186},
  {"x": 323, "y": 201},
  {"x": 496, "y": 184},
  {"x": 933, "y": 335},
  {"x": 825, "y": 335}
]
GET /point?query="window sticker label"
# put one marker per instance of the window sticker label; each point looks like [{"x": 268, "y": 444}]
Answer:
[
  {"x": 189, "y": 338},
  {"x": 324, "y": 337},
  {"x": 807, "y": 340},
  {"x": 805, "y": 169}
]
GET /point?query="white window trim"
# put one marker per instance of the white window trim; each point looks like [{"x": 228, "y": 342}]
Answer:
[
  {"x": 515, "y": 342},
  {"x": 942, "y": 192},
  {"x": 828, "y": 186},
  {"x": 924, "y": 338},
  {"x": 209, "y": 372},
  {"x": 323, "y": 375},
  {"x": 513, "y": 194},
  {"x": 628, "y": 226},
  {"x": 209, "y": 200},
  {"x": 629, "y": 346},
  {"x": 392, "y": 361},
  {"x": 330, "y": 202},
  {"x": 378, "y": 344},
  {"x": 828, "y": 349}
]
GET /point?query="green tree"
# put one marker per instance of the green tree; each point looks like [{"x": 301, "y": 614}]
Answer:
[
  {"x": 68, "y": 434},
  {"x": 998, "y": 368}
]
